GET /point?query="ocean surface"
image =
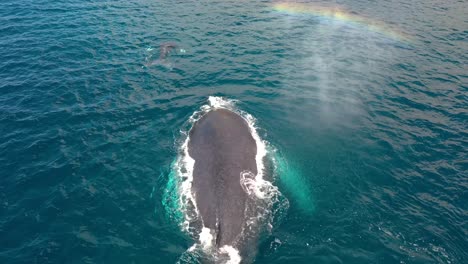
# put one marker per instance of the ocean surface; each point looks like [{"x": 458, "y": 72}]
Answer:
[{"x": 365, "y": 101}]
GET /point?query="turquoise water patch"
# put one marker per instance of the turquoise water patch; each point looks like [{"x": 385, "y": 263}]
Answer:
[
  {"x": 295, "y": 183},
  {"x": 171, "y": 199}
]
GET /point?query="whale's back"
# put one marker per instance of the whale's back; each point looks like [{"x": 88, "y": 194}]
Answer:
[{"x": 222, "y": 146}]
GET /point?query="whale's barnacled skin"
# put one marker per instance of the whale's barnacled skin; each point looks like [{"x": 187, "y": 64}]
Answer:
[{"x": 222, "y": 146}]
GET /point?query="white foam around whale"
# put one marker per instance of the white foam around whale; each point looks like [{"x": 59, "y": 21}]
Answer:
[{"x": 233, "y": 254}]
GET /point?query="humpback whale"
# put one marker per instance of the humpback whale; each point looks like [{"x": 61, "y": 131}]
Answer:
[
  {"x": 164, "y": 51},
  {"x": 223, "y": 148}
]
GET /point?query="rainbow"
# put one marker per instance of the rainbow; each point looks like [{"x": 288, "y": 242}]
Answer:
[{"x": 339, "y": 14}]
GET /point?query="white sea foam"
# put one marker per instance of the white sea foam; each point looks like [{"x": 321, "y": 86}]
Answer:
[
  {"x": 206, "y": 238},
  {"x": 184, "y": 167},
  {"x": 234, "y": 257},
  {"x": 219, "y": 102}
]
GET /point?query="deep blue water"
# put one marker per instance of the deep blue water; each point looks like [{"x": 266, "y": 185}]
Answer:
[{"x": 376, "y": 126}]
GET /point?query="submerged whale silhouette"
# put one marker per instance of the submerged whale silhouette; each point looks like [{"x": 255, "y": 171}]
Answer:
[
  {"x": 164, "y": 51},
  {"x": 223, "y": 147}
]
